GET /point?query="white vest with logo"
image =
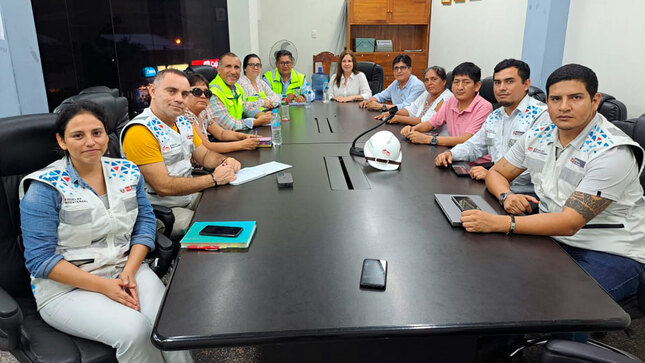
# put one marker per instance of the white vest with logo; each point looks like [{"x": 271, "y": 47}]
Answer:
[
  {"x": 620, "y": 228},
  {"x": 176, "y": 150},
  {"x": 94, "y": 238}
]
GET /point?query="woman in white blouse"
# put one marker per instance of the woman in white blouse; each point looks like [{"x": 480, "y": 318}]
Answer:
[
  {"x": 348, "y": 84},
  {"x": 257, "y": 92},
  {"x": 430, "y": 101}
]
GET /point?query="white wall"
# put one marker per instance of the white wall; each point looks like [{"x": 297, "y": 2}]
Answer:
[
  {"x": 609, "y": 37},
  {"x": 482, "y": 31},
  {"x": 294, "y": 20}
]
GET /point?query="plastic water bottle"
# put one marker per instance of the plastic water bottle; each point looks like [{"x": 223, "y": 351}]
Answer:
[
  {"x": 276, "y": 128},
  {"x": 326, "y": 92},
  {"x": 317, "y": 81},
  {"x": 284, "y": 109}
]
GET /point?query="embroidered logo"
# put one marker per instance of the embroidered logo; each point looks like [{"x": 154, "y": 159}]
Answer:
[
  {"x": 518, "y": 133},
  {"x": 126, "y": 189},
  {"x": 536, "y": 150},
  {"x": 577, "y": 162}
]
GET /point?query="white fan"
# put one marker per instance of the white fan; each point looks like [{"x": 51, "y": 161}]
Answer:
[{"x": 283, "y": 45}]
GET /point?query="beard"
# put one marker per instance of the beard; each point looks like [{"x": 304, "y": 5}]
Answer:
[{"x": 505, "y": 103}]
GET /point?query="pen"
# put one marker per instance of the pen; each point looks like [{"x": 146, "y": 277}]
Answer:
[
  {"x": 204, "y": 248},
  {"x": 255, "y": 130}
]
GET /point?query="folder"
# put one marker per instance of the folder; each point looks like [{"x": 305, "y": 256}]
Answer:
[{"x": 243, "y": 240}]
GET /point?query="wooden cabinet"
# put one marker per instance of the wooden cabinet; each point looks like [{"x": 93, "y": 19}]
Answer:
[{"x": 405, "y": 22}]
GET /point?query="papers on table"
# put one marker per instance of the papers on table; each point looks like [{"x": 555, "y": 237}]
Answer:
[{"x": 251, "y": 173}]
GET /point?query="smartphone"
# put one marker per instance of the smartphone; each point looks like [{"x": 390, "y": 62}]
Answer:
[
  {"x": 220, "y": 231},
  {"x": 464, "y": 203},
  {"x": 374, "y": 274},
  {"x": 461, "y": 169}
]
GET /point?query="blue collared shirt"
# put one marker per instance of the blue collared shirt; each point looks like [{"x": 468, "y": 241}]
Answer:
[
  {"x": 402, "y": 97},
  {"x": 39, "y": 210}
]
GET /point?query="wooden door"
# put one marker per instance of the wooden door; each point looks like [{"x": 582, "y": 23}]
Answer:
[
  {"x": 368, "y": 11},
  {"x": 409, "y": 12}
]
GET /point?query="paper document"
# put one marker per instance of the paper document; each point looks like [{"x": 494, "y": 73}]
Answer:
[{"x": 255, "y": 172}]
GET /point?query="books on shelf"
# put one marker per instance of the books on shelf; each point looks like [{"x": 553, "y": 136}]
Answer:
[{"x": 192, "y": 238}]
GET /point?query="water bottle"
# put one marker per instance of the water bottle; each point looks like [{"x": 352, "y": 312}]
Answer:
[
  {"x": 284, "y": 109},
  {"x": 276, "y": 128},
  {"x": 326, "y": 92},
  {"x": 317, "y": 81}
]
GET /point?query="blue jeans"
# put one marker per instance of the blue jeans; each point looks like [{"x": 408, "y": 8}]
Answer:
[{"x": 616, "y": 274}]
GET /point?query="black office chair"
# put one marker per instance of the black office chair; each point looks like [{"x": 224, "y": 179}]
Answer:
[
  {"x": 560, "y": 351},
  {"x": 207, "y": 71},
  {"x": 537, "y": 93},
  {"x": 611, "y": 108},
  {"x": 449, "y": 80},
  {"x": 374, "y": 74},
  {"x": 486, "y": 91}
]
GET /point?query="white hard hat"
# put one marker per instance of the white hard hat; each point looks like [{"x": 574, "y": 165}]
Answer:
[{"x": 383, "y": 151}]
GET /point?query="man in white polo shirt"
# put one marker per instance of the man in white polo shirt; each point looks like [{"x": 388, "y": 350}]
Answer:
[{"x": 586, "y": 174}]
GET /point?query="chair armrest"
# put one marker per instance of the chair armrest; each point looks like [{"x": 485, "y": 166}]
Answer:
[
  {"x": 165, "y": 251},
  {"x": 10, "y": 321},
  {"x": 165, "y": 216},
  {"x": 640, "y": 293},
  {"x": 198, "y": 172},
  {"x": 564, "y": 351}
]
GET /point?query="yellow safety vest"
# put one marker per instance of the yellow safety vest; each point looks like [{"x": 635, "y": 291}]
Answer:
[
  {"x": 234, "y": 102},
  {"x": 297, "y": 82}
]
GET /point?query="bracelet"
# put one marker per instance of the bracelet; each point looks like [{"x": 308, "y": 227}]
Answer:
[
  {"x": 214, "y": 180},
  {"x": 511, "y": 224}
]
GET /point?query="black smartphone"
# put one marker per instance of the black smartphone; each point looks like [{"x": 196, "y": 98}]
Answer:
[
  {"x": 461, "y": 169},
  {"x": 374, "y": 274},
  {"x": 464, "y": 203},
  {"x": 220, "y": 231}
]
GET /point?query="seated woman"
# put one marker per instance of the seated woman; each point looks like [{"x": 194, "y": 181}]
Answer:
[
  {"x": 258, "y": 93},
  {"x": 87, "y": 226},
  {"x": 430, "y": 101},
  {"x": 349, "y": 84},
  {"x": 197, "y": 101}
]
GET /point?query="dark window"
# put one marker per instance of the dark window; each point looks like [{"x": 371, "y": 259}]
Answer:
[{"x": 110, "y": 42}]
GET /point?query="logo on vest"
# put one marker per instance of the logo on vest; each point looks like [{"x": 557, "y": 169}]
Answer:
[
  {"x": 577, "y": 162},
  {"x": 536, "y": 150},
  {"x": 129, "y": 188},
  {"x": 165, "y": 149},
  {"x": 74, "y": 200},
  {"x": 518, "y": 133}
]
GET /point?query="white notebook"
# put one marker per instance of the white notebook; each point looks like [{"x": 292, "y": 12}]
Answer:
[{"x": 255, "y": 172}]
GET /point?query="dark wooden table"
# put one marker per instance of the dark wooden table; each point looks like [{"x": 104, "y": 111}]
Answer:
[{"x": 300, "y": 277}]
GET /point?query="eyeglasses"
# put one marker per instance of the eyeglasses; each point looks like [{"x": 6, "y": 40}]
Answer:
[
  {"x": 198, "y": 92},
  {"x": 255, "y": 65},
  {"x": 400, "y": 69},
  {"x": 284, "y": 63}
]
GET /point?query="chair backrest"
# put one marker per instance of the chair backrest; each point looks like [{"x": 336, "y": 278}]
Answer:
[
  {"x": 449, "y": 80},
  {"x": 634, "y": 128},
  {"x": 327, "y": 59},
  {"x": 611, "y": 108},
  {"x": 207, "y": 71},
  {"x": 374, "y": 74},
  {"x": 117, "y": 112},
  {"x": 486, "y": 91},
  {"x": 28, "y": 144},
  {"x": 537, "y": 93}
]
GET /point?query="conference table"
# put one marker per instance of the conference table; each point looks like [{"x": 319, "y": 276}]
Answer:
[{"x": 299, "y": 279}]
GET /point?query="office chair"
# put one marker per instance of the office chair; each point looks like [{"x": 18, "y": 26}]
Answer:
[
  {"x": 374, "y": 74},
  {"x": 560, "y": 351},
  {"x": 537, "y": 93},
  {"x": 207, "y": 71},
  {"x": 449, "y": 80},
  {"x": 486, "y": 91},
  {"x": 611, "y": 108}
]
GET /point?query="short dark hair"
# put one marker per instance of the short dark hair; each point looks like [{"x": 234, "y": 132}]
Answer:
[
  {"x": 161, "y": 74},
  {"x": 469, "y": 69},
  {"x": 282, "y": 53},
  {"x": 246, "y": 59},
  {"x": 195, "y": 78},
  {"x": 523, "y": 69},
  {"x": 402, "y": 58},
  {"x": 440, "y": 71},
  {"x": 69, "y": 111},
  {"x": 574, "y": 72}
]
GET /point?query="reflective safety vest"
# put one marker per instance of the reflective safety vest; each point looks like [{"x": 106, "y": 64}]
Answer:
[
  {"x": 256, "y": 97},
  {"x": 234, "y": 102},
  {"x": 90, "y": 236},
  {"x": 620, "y": 228},
  {"x": 297, "y": 82},
  {"x": 176, "y": 150}
]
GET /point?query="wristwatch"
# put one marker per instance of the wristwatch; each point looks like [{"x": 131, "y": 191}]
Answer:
[
  {"x": 502, "y": 197},
  {"x": 384, "y": 108},
  {"x": 433, "y": 141}
]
